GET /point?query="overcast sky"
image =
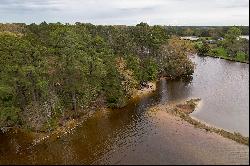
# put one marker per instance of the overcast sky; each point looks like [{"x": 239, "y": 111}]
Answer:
[{"x": 129, "y": 12}]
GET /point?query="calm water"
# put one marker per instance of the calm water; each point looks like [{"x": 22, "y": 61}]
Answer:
[
  {"x": 131, "y": 136},
  {"x": 223, "y": 87}
]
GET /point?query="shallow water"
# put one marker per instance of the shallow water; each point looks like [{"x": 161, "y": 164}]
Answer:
[
  {"x": 223, "y": 87},
  {"x": 132, "y": 136}
]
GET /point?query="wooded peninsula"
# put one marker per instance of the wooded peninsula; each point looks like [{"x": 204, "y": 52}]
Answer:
[{"x": 53, "y": 72}]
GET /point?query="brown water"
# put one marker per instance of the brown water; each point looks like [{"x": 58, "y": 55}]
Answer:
[{"x": 134, "y": 136}]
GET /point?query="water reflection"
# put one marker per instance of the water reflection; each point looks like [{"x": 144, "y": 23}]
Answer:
[
  {"x": 163, "y": 91},
  {"x": 178, "y": 90},
  {"x": 223, "y": 87}
]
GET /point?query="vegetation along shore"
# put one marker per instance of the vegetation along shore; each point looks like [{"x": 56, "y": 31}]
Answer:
[
  {"x": 51, "y": 73},
  {"x": 54, "y": 75}
]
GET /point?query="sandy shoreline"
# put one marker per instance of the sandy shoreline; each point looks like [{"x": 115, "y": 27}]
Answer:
[
  {"x": 183, "y": 109},
  {"x": 175, "y": 133},
  {"x": 70, "y": 125},
  {"x": 209, "y": 148},
  {"x": 163, "y": 138},
  {"x": 151, "y": 86}
]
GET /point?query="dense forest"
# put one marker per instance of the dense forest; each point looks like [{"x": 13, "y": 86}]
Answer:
[
  {"x": 49, "y": 72},
  {"x": 204, "y": 31}
]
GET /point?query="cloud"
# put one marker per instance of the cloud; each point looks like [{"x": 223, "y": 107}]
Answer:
[
  {"x": 233, "y": 3},
  {"x": 29, "y": 5},
  {"x": 179, "y": 12}
]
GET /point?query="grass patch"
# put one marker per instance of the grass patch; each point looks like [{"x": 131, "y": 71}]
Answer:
[
  {"x": 218, "y": 52},
  {"x": 241, "y": 56}
]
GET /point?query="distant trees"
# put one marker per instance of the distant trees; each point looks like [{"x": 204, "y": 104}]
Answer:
[
  {"x": 236, "y": 46},
  {"x": 232, "y": 41},
  {"x": 232, "y": 47},
  {"x": 203, "y": 31},
  {"x": 15, "y": 27}
]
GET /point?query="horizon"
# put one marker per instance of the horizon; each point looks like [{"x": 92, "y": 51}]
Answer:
[
  {"x": 64, "y": 23},
  {"x": 121, "y": 12}
]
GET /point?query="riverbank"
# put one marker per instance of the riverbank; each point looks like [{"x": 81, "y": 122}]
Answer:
[
  {"x": 147, "y": 89},
  {"x": 182, "y": 110},
  {"x": 68, "y": 127},
  {"x": 126, "y": 136},
  {"x": 198, "y": 145},
  {"x": 229, "y": 59},
  {"x": 70, "y": 123}
]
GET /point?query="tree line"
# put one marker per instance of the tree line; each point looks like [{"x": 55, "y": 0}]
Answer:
[
  {"x": 47, "y": 70},
  {"x": 214, "y": 32},
  {"x": 232, "y": 46}
]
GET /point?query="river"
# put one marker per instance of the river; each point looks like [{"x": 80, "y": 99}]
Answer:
[
  {"x": 132, "y": 135},
  {"x": 223, "y": 87}
]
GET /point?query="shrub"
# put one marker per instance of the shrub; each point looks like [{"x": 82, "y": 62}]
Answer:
[
  {"x": 219, "y": 52},
  {"x": 9, "y": 116},
  {"x": 240, "y": 56}
]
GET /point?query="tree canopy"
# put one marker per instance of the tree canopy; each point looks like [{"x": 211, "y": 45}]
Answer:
[{"x": 49, "y": 69}]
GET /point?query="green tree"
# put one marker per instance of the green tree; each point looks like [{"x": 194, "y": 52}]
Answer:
[
  {"x": 232, "y": 42},
  {"x": 174, "y": 61},
  {"x": 71, "y": 65},
  {"x": 203, "y": 49}
]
